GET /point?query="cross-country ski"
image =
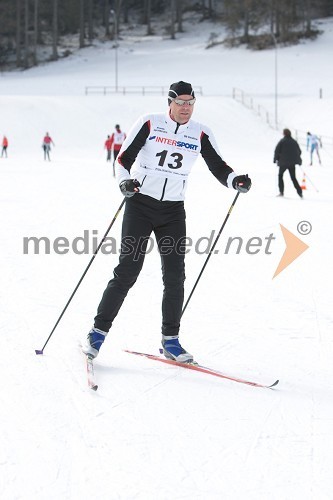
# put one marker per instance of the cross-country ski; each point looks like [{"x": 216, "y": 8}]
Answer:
[
  {"x": 90, "y": 373},
  {"x": 202, "y": 369}
]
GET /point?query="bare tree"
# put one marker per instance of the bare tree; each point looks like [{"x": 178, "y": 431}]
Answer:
[
  {"x": 125, "y": 10},
  {"x": 35, "y": 33},
  {"x": 173, "y": 17},
  {"x": 55, "y": 30},
  {"x": 272, "y": 15},
  {"x": 90, "y": 21},
  {"x": 18, "y": 33},
  {"x": 149, "y": 29},
  {"x": 180, "y": 15},
  {"x": 144, "y": 12},
  {"x": 210, "y": 9},
  {"x": 246, "y": 20},
  {"x": 26, "y": 33},
  {"x": 81, "y": 23},
  {"x": 307, "y": 8},
  {"x": 146, "y": 15},
  {"x": 116, "y": 19},
  {"x": 107, "y": 17},
  {"x": 233, "y": 15}
]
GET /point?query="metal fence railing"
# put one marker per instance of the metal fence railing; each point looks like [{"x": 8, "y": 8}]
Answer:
[
  {"x": 248, "y": 101},
  {"x": 300, "y": 135},
  {"x": 128, "y": 89}
]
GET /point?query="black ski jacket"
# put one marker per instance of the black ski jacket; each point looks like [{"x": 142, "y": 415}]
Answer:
[{"x": 287, "y": 153}]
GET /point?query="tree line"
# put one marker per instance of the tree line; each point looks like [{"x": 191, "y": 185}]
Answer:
[
  {"x": 261, "y": 23},
  {"x": 29, "y": 26}
]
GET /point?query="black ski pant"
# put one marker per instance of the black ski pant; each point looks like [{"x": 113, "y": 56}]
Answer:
[
  {"x": 47, "y": 150},
  {"x": 292, "y": 173},
  {"x": 143, "y": 216}
]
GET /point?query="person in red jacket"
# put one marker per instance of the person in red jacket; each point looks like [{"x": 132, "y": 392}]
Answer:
[
  {"x": 108, "y": 147},
  {"x": 117, "y": 140},
  {"x": 4, "y": 146},
  {"x": 47, "y": 141}
]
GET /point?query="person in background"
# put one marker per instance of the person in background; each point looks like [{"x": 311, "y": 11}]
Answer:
[
  {"x": 287, "y": 155},
  {"x": 108, "y": 147},
  {"x": 117, "y": 139},
  {"x": 47, "y": 141},
  {"x": 4, "y": 147},
  {"x": 152, "y": 171},
  {"x": 313, "y": 142}
]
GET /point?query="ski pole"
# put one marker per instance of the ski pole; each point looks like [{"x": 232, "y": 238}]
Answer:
[
  {"x": 210, "y": 252},
  {"x": 306, "y": 175},
  {"x": 41, "y": 351}
]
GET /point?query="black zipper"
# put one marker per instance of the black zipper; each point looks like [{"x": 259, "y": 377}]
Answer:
[{"x": 163, "y": 191}]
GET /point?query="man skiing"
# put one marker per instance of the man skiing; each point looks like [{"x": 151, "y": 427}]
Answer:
[
  {"x": 117, "y": 139},
  {"x": 108, "y": 147},
  {"x": 287, "y": 155},
  {"x": 4, "y": 146},
  {"x": 152, "y": 170},
  {"x": 47, "y": 141}
]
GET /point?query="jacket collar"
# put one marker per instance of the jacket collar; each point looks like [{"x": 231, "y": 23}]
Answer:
[{"x": 175, "y": 127}]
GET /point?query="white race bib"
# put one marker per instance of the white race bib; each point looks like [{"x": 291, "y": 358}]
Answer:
[{"x": 167, "y": 154}]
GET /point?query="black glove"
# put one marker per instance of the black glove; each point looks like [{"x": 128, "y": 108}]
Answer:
[
  {"x": 129, "y": 187},
  {"x": 242, "y": 183}
]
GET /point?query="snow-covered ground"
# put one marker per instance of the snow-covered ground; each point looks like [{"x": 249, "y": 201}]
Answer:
[{"x": 155, "y": 432}]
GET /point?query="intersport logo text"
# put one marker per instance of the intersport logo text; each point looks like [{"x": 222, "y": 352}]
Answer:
[{"x": 173, "y": 142}]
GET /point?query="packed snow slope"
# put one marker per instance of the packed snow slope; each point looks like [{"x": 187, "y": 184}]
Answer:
[{"x": 151, "y": 431}]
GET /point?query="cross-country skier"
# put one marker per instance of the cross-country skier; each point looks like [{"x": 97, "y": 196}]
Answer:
[
  {"x": 152, "y": 170},
  {"x": 313, "y": 142},
  {"x": 47, "y": 141},
  {"x": 4, "y": 146},
  {"x": 287, "y": 155},
  {"x": 108, "y": 147},
  {"x": 117, "y": 139}
]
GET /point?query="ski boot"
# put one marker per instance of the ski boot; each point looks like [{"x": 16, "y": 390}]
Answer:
[
  {"x": 93, "y": 343},
  {"x": 173, "y": 350}
]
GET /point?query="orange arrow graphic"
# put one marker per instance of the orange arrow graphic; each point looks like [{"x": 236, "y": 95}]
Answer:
[{"x": 294, "y": 248}]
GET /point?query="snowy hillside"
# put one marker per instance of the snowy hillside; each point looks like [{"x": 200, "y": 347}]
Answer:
[{"x": 152, "y": 431}]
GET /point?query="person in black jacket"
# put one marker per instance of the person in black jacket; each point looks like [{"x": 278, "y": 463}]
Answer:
[{"x": 287, "y": 155}]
